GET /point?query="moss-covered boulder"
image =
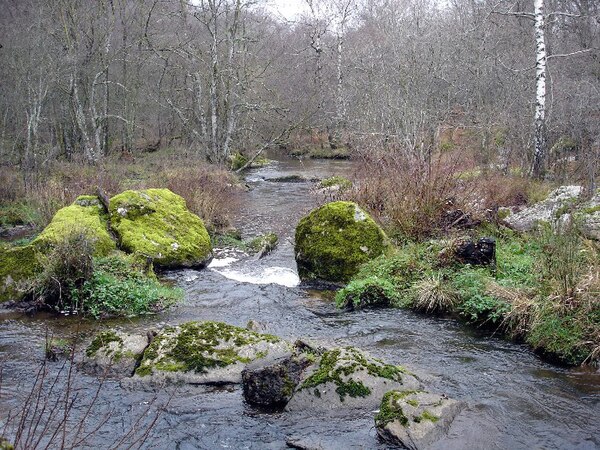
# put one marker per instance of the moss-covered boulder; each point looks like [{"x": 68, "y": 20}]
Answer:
[
  {"x": 415, "y": 419},
  {"x": 17, "y": 264},
  {"x": 156, "y": 224},
  {"x": 349, "y": 378},
  {"x": 114, "y": 353},
  {"x": 205, "y": 353},
  {"x": 334, "y": 240},
  {"x": 86, "y": 216}
]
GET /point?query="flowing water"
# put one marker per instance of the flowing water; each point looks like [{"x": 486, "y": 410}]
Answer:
[{"x": 515, "y": 400}]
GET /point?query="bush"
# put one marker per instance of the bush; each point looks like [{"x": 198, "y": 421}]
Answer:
[
  {"x": 367, "y": 292},
  {"x": 75, "y": 282}
]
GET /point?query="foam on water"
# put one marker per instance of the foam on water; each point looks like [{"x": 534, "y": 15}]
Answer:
[
  {"x": 221, "y": 262},
  {"x": 269, "y": 275}
]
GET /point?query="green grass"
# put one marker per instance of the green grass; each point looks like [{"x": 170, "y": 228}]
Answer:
[{"x": 545, "y": 289}]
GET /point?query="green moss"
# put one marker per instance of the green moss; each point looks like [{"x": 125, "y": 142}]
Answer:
[
  {"x": 102, "y": 340},
  {"x": 198, "y": 347},
  {"x": 155, "y": 223},
  {"x": 17, "y": 265},
  {"x": 337, "y": 366},
  {"x": 341, "y": 182},
  {"x": 5, "y": 445},
  {"x": 426, "y": 415},
  {"x": 86, "y": 216},
  {"x": 266, "y": 243},
  {"x": 591, "y": 210},
  {"x": 322, "y": 153},
  {"x": 335, "y": 239},
  {"x": 237, "y": 161}
]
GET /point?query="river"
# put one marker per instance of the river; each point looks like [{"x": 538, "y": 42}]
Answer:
[{"x": 515, "y": 400}]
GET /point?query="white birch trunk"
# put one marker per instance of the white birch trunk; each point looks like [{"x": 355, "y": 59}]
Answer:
[{"x": 539, "y": 154}]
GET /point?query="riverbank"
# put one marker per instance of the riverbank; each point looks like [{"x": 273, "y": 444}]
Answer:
[{"x": 515, "y": 399}]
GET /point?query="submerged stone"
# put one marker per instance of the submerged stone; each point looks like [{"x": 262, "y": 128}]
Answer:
[
  {"x": 334, "y": 240},
  {"x": 415, "y": 419},
  {"x": 156, "y": 224},
  {"x": 348, "y": 378},
  {"x": 205, "y": 353}
]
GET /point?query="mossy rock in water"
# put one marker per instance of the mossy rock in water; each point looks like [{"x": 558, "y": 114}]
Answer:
[
  {"x": 205, "y": 353},
  {"x": 17, "y": 264},
  {"x": 86, "y": 216},
  {"x": 349, "y": 378},
  {"x": 156, "y": 224},
  {"x": 335, "y": 239},
  {"x": 415, "y": 419},
  {"x": 114, "y": 353}
]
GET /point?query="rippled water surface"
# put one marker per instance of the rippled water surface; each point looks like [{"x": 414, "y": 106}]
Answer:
[{"x": 514, "y": 399}]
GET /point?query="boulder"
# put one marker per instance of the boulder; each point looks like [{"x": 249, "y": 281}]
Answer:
[
  {"x": 264, "y": 244},
  {"x": 270, "y": 382},
  {"x": 156, "y": 224},
  {"x": 558, "y": 202},
  {"x": 348, "y": 378},
  {"x": 415, "y": 419},
  {"x": 205, "y": 353},
  {"x": 334, "y": 240},
  {"x": 114, "y": 353},
  {"x": 87, "y": 216},
  {"x": 17, "y": 264},
  {"x": 588, "y": 218}
]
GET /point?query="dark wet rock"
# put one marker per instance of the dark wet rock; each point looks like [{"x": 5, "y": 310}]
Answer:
[
  {"x": 114, "y": 353},
  {"x": 292, "y": 179},
  {"x": 480, "y": 253},
  {"x": 271, "y": 382},
  {"x": 205, "y": 353},
  {"x": 334, "y": 240},
  {"x": 546, "y": 211},
  {"x": 415, "y": 419},
  {"x": 348, "y": 378}
]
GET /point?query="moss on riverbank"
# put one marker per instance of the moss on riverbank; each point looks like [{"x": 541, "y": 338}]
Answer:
[{"x": 542, "y": 290}]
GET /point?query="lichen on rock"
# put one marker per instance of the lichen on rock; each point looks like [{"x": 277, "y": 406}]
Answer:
[
  {"x": 156, "y": 224},
  {"x": 335, "y": 239},
  {"x": 347, "y": 377},
  {"x": 206, "y": 352},
  {"x": 114, "y": 353},
  {"x": 415, "y": 419}
]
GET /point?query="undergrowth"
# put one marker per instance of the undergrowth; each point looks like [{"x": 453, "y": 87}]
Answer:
[
  {"x": 544, "y": 289},
  {"x": 75, "y": 282}
]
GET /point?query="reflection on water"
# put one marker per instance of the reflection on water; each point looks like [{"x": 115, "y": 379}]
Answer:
[{"x": 515, "y": 400}]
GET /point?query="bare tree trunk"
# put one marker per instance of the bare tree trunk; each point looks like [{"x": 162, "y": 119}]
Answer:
[{"x": 539, "y": 154}]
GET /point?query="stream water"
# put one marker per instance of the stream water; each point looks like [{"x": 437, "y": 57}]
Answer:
[{"x": 515, "y": 400}]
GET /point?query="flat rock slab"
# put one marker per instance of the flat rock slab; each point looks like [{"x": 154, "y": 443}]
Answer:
[
  {"x": 114, "y": 353},
  {"x": 205, "y": 353},
  {"x": 415, "y": 420},
  {"x": 348, "y": 378}
]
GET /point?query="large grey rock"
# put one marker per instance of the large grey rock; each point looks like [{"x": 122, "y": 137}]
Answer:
[
  {"x": 545, "y": 211},
  {"x": 588, "y": 218},
  {"x": 415, "y": 420},
  {"x": 270, "y": 382},
  {"x": 348, "y": 378},
  {"x": 114, "y": 353},
  {"x": 205, "y": 353}
]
